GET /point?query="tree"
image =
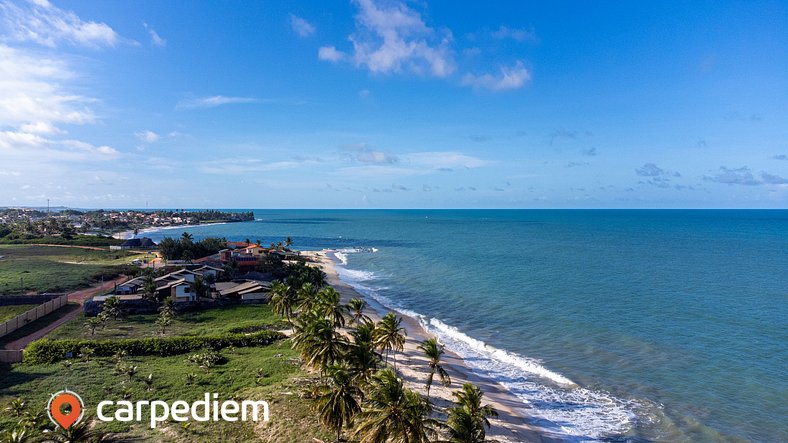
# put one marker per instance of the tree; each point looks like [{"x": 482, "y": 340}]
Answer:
[
  {"x": 469, "y": 418},
  {"x": 328, "y": 305},
  {"x": 356, "y": 307},
  {"x": 199, "y": 287},
  {"x": 283, "y": 300},
  {"x": 149, "y": 288},
  {"x": 92, "y": 324},
  {"x": 163, "y": 320},
  {"x": 307, "y": 297},
  {"x": 318, "y": 342},
  {"x": 433, "y": 351},
  {"x": 336, "y": 399},
  {"x": 363, "y": 358},
  {"x": 389, "y": 335},
  {"x": 78, "y": 432},
  {"x": 288, "y": 241},
  {"x": 394, "y": 413},
  {"x": 112, "y": 307}
]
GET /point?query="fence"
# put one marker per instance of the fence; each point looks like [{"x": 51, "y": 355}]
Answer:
[{"x": 27, "y": 317}]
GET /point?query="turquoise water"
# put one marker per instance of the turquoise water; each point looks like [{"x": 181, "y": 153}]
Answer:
[{"x": 610, "y": 325}]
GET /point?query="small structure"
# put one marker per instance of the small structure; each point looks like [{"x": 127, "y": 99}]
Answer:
[{"x": 138, "y": 243}]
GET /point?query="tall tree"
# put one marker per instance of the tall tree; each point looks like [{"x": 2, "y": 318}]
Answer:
[
  {"x": 433, "y": 351},
  {"x": 390, "y": 335},
  {"x": 394, "y": 413},
  {"x": 356, "y": 307},
  {"x": 336, "y": 399},
  {"x": 328, "y": 305},
  {"x": 469, "y": 418},
  {"x": 283, "y": 300}
]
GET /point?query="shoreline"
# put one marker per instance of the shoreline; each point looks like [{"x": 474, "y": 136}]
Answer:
[
  {"x": 129, "y": 234},
  {"x": 509, "y": 427}
]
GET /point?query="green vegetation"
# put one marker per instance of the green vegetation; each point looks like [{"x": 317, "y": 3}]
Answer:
[
  {"x": 33, "y": 268},
  {"x": 99, "y": 378},
  {"x": 229, "y": 319},
  {"x": 185, "y": 248},
  {"x": 9, "y": 312}
]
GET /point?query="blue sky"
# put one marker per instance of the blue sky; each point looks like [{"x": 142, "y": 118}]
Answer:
[{"x": 375, "y": 104}]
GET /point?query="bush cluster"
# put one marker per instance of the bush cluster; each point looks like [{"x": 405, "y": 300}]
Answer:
[{"x": 51, "y": 351}]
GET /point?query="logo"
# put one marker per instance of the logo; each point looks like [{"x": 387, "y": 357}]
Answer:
[{"x": 65, "y": 408}]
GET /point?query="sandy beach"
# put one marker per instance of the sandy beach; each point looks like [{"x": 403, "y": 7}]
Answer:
[{"x": 510, "y": 426}]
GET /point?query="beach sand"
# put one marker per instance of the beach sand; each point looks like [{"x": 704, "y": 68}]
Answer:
[{"x": 510, "y": 426}]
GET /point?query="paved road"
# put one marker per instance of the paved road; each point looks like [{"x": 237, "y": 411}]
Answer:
[{"x": 79, "y": 297}]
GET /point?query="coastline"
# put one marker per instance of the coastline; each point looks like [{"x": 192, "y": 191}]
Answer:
[
  {"x": 509, "y": 427},
  {"x": 125, "y": 235}
]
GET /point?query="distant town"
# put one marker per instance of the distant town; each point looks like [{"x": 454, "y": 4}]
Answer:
[{"x": 27, "y": 223}]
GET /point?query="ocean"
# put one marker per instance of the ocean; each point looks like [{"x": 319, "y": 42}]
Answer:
[{"x": 610, "y": 325}]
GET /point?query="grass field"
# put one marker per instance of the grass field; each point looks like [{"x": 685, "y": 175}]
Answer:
[
  {"x": 9, "y": 312},
  {"x": 209, "y": 322},
  {"x": 271, "y": 373},
  {"x": 33, "y": 268}
]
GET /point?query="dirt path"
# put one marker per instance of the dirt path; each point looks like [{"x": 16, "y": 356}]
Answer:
[{"x": 79, "y": 297}]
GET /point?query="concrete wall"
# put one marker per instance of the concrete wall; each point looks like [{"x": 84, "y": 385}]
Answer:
[{"x": 32, "y": 315}]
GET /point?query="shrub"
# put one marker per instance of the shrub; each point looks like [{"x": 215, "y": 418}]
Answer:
[{"x": 51, "y": 351}]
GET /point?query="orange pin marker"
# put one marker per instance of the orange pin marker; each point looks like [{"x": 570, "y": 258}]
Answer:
[{"x": 57, "y": 404}]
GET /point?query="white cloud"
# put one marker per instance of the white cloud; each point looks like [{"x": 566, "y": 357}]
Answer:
[
  {"x": 154, "y": 36},
  {"x": 33, "y": 91},
  {"x": 43, "y": 23},
  {"x": 393, "y": 38},
  {"x": 513, "y": 77},
  {"x": 445, "y": 160},
  {"x": 520, "y": 35},
  {"x": 147, "y": 136},
  {"x": 41, "y": 128},
  {"x": 242, "y": 165},
  {"x": 301, "y": 26},
  {"x": 330, "y": 54},
  {"x": 216, "y": 100}
]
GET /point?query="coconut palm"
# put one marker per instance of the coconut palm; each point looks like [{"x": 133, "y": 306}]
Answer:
[
  {"x": 363, "y": 358},
  {"x": 464, "y": 428},
  {"x": 394, "y": 413},
  {"x": 283, "y": 300},
  {"x": 149, "y": 288},
  {"x": 78, "y": 432},
  {"x": 112, "y": 307},
  {"x": 469, "y": 418},
  {"x": 433, "y": 351},
  {"x": 327, "y": 304},
  {"x": 307, "y": 297},
  {"x": 389, "y": 335},
  {"x": 336, "y": 399},
  {"x": 356, "y": 307},
  {"x": 318, "y": 341}
]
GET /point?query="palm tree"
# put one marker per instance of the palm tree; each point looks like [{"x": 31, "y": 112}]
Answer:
[
  {"x": 307, "y": 297},
  {"x": 112, "y": 307},
  {"x": 389, "y": 335},
  {"x": 394, "y": 413},
  {"x": 318, "y": 342},
  {"x": 327, "y": 304},
  {"x": 464, "y": 428},
  {"x": 92, "y": 324},
  {"x": 149, "y": 288},
  {"x": 433, "y": 351},
  {"x": 78, "y": 432},
  {"x": 469, "y": 418},
  {"x": 283, "y": 300},
  {"x": 356, "y": 307},
  {"x": 336, "y": 400},
  {"x": 363, "y": 358}
]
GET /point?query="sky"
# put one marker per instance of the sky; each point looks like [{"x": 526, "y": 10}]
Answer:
[{"x": 394, "y": 104}]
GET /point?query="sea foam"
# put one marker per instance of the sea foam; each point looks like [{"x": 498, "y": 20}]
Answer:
[{"x": 555, "y": 404}]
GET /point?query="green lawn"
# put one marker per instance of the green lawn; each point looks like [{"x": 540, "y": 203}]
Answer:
[
  {"x": 282, "y": 382},
  {"x": 9, "y": 312},
  {"x": 32, "y": 268},
  {"x": 209, "y": 322}
]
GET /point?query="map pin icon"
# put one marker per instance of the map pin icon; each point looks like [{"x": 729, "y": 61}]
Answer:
[{"x": 57, "y": 405}]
